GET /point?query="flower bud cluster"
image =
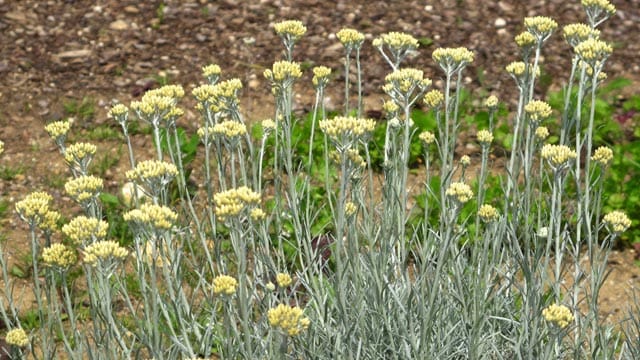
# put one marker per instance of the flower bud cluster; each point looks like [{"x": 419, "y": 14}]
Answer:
[
  {"x": 17, "y": 337},
  {"x": 488, "y": 213},
  {"x": 291, "y": 29},
  {"x": 79, "y": 155},
  {"x": 617, "y": 221},
  {"x": 452, "y": 60},
  {"x": 104, "y": 252},
  {"x": 592, "y": 51},
  {"x": 235, "y": 202},
  {"x": 283, "y": 72},
  {"x": 85, "y": 230},
  {"x": 485, "y": 137},
  {"x": 541, "y": 27},
  {"x": 396, "y": 41},
  {"x": 542, "y": 132},
  {"x": 229, "y": 129},
  {"x": 283, "y": 280},
  {"x": 405, "y": 82},
  {"x": 320, "y": 76},
  {"x": 289, "y": 319},
  {"x": 58, "y": 129},
  {"x": 34, "y": 207},
  {"x": 59, "y": 256},
  {"x": 152, "y": 217},
  {"x": 558, "y": 156},
  {"x": 577, "y": 33},
  {"x": 212, "y": 73},
  {"x": 460, "y": 192},
  {"x": 153, "y": 173},
  {"x": 537, "y": 111},
  {"x": 559, "y": 315},
  {"x": 225, "y": 285},
  {"x": 350, "y": 38},
  {"x": 84, "y": 188},
  {"x": 603, "y": 156},
  {"x": 427, "y": 137},
  {"x": 344, "y": 131}
]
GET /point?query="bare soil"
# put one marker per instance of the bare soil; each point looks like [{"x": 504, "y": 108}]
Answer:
[{"x": 55, "y": 52}]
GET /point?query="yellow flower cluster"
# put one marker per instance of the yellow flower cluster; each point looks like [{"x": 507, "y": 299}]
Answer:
[
  {"x": 397, "y": 41},
  {"x": 427, "y": 137},
  {"x": 233, "y": 202},
  {"x": 282, "y": 71},
  {"x": 174, "y": 92},
  {"x": 224, "y": 284},
  {"x": 350, "y": 37},
  {"x": 102, "y": 251},
  {"x": 257, "y": 214},
  {"x": 230, "y": 129},
  {"x": 80, "y": 153},
  {"x": 603, "y": 5},
  {"x": 84, "y": 187},
  {"x": 452, "y": 58},
  {"x": 341, "y": 126},
  {"x": 155, "y": 216},
  {"x": 1, "y": 147},
  {"x": 491, "y": 102},
  {"x": 405, "y": 80},
  {"x": 152, "y": 169},
  {"x": 320, "y": 76},
  {"x": 17, "y": 337},
  {"x": 34, "y": 207},
  {"x": 434, "y": 98},
  {"x": 268, "y": 125},
  {"x": 211, "y": 70},
  {"x": 557, "y": 155},
  {"x": 465, "y": 160},
  {"x": 49, "y": 222},
  {"x": 485, "y": 137},
  {"x": 460, "y": 191},
  {"x": 593, "y": 50},
  {"x": 352, "y": 155},
  {"x": 540, "y": 26},
  {"x": 119, "y": 113},
  {"x": 289, "y": 319},
  {"x": 537, "y": 110},
  {"x": 603, "y": 155},
  {"x": 488, "y": 213},
  {"x": 214, "y": 94},
  {"x": 84, "y": 230},
  {"x": 293, "y": 28},
  {"x": 152, "y": 106},
  {"x": 516, "y": 68},
  {"x": 542, "y": 133},
  {"x": 350, "y": 208},
  {"x": 57, "y": 129},
  {"x": 558, "y": 315},
  {"x": 525, "y": 39},
  {"x": 283, "y": 280},
  {"x": 617, "y": 221},
  {"x": 59, "y": 256},
  {"x": 577, "y": 33}
]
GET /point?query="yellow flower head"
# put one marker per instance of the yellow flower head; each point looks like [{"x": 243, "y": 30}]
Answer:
[
  {"x": 617, "y": 221},
  {"x": 460, "y": 192},
  {"x": 151, "y": 216},
  {"x": 350, "y": 38},
  {"x": 225, "y": 285},
  {"x": 58, "y": 129},
  {"x": 320, "y": 76},
  {"x": 152, "y": 171},
  {"x": 350, "y": 208},
  {"x": 540, "y": 26},
  {"x": 427, "y": 137},
  {"x": 34, "y": 207},
  {"x": 598, "y": 10},
  {"x": 59, "y": 256},
  {"x": 268, "y": 125},
  {"x": 537, "y": 110},
  {"x": 342, "y": 126},
  {"x": 525, "y": 40},
  {"x": 405, "y": 81},
  {"x": 85, "y": 230},
  {"x": 557, "y": 155},
  {"x": 434, "y": 99},
  {"x": 84, "y": 188},
  {"x": 17, "y": 337},
  {"x": 80, "y": 153},
  {"x": 577, "y": 33},
  {"x": 488, "y": 213},
  {"x": 104, "y": 252},
  {"x": 230, "y": 129},
  {"x": 542, "y": 133},
  {"x": 491, "y": 102},
  {"x": 485, "y": 137},
  {"x": 211, "y": 70},
  {"x": 603, "y": 156},
  {"x": 452, "y": 59},
  {"x": 558, "y": 315},
  {"x": 1, "y": 147},
  {"x": 283, "y": 71},
  {"x": 293, "y": 29},
  {"x": 465, "y": 160},
  {"x": 289, "y": 319},
  {"x": 283, "y": 280},
  {"x": 592, "y": 51},
  {"x": 236, "y": 202},
  {"x": 397, "y": 41}
]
